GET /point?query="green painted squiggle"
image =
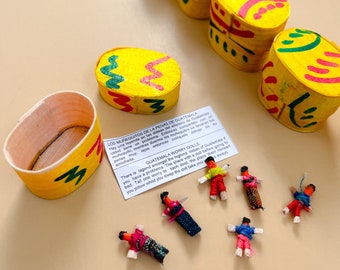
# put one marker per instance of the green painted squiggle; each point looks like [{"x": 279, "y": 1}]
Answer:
[
  {"x": 71, "y": 175},
  {"x": 299, "y": 34},
  {"x": 115, "y": 78},
  {"x": 157, "y": 104},
  {"x": 292, "y": 114}
]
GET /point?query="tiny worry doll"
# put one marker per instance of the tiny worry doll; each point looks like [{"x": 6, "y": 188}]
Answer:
[
  {"x": 176, "y": 211},
  {"x": 215, "y": 174},
  {"x": 250, "y": 186},
  {"x": 244, "y": 235},
  {"x": 301, "y": 200},
  {"x": 138, "y": 241}
]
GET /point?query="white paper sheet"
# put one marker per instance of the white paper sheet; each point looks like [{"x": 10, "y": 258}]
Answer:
[{"x": 167, "y": 150}]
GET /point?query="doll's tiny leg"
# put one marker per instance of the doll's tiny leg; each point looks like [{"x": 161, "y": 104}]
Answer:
[
  {"x": 247, "y": 248},
  {"x": 213, "y": 190},
  {"x": 213, "y": 197},
  {"x": 223, "y": 195},
  {"x": 296, "y": 219},
  {"x": 285, "y": 210},
  {"x": 238, "y": 252},
  {"x": 297, "y": 212}
]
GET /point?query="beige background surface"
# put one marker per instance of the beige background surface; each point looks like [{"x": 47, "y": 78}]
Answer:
[{"x": 48, "y": 46}]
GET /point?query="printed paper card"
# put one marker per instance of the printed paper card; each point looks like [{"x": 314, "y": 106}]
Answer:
[{"x": 168, "y": 150}]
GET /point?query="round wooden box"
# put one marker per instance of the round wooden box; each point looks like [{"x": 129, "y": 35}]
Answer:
[
  {"x": 300, "y": 84},
  {"x": 137, "y": 80},
  {"x": 242, "y": 31},
  {"x": 56, "y": 145}
]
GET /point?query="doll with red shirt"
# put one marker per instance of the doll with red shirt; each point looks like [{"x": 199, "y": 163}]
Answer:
[
  {"x": 138, "y": 241},
  {"x": 301, "y": 201},
  {"x": 215, "y": 174}
]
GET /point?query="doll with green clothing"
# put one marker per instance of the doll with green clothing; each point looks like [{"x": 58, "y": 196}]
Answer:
[{"x": 215, "y": 174}]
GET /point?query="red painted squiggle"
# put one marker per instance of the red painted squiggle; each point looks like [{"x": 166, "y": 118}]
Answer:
[
  {"x": 99, "y": 145},
  {"x": 318, "y": 70},
  {"x": 121, "y": 100},
  {"x": 155, "y": 73},
  {"x": 322, "y": 80},
  {"x": 227, "y": 28},
  {"x": 247, "y": 5}
]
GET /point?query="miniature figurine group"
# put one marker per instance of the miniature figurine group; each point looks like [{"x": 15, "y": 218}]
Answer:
[
  {"x": 138, "y": 241},
  {"x": 141, "y": 242},
  {"x": 216, "y": 174}
]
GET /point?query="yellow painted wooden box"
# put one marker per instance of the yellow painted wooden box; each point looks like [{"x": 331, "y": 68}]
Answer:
[
  {"x": 57, "y": 144},
  {"x": 138, "y": 80},
  {"x": 300, "y": 84},
  {"x": 242, "y": 31}
]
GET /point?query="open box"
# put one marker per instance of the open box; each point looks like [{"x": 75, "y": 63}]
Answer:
[{"x": 56, "y": 145}]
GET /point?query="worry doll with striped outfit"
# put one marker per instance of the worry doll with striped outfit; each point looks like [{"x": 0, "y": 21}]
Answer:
[
  {"x": 250, "y": 186},
  {"x": 138, "y": 241},
  {"x": 176, "y": 211}
]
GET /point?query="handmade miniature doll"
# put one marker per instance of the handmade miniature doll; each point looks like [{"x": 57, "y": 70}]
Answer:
[
  {"x": 215, "y": 174},
  {"x": 141, "y": 242},
  {"x": 301, "y": 201},
  {"x": 250, "y": 186},
  {"x": 175, "y": 210},
  {"x": 244, "y": 235}
]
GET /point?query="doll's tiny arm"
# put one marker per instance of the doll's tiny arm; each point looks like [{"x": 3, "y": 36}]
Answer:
[
  {"x": 140, "y": 227},
  {"x": 166, "y": 212},
  {"x": 293, "y": 190},
  {"x": 259, "y": 230},
  {"x": 226, "y": 167},
  {"x": 202, "y": 179},
  {"x": 132, "y": 254},
  {"x": 231, "y": 228},
  {"x": 183, "y": 199},
  {"x": 307, "y": 208}
]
